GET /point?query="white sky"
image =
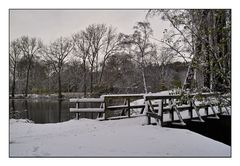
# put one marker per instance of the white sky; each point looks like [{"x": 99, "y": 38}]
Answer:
[{"x": 51, "y": 24}]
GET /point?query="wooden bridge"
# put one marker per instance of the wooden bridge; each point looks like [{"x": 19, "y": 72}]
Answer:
[
  {"x": 173, "y": 106},
  {"x": 157, "y": 106}
]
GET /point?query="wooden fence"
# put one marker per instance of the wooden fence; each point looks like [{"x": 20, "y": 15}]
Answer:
[{"x": 154, "y": 105}]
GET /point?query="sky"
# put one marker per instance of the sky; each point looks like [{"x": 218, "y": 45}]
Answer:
[{"x": 51, "y": 24}]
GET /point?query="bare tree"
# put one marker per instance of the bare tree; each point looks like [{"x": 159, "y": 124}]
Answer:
[
  {"x": 14, "y": 54},
  {"x": 143, "y": 48},
  {"x": 94, "y": 35},
  {"x": 56, "y": 55},
  {"x": 110, "y": 46},
  {"x": 30, "y": 47},
  {"x": 82, "y": 50}
]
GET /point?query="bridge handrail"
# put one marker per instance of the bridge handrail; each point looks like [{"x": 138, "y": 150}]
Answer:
[
  {"x": 159, "y": 96},
  {"x": 86, "y": 100}
]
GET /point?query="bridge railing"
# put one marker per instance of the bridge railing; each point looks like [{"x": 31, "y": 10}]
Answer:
[
  {"x": 154, "y": 105},
  {"x": 79, "y": 110},
  {"x": 173, "y": 104},
  {"x": 106, "y": 107}
]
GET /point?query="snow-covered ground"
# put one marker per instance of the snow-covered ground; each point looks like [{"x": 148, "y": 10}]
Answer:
[{"x": 125, "y": 137}]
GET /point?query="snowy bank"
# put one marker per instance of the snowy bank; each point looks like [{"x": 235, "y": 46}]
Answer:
[{"x": 125, "y": 137}]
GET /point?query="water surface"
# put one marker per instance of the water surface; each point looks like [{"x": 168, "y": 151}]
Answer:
[{"x": 45, "y": 110}]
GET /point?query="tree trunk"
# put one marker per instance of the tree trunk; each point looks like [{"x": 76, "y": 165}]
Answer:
[
  {"x": 84, "y": 79},
  {"x": 59, "y": 85},
  {"x": 211, "y": 76},
  {"x": 97, "y": 64},
  {"x": 91, "y": 81},
  {"x": 101, "y": 74},
  {"x": 60, "y": 110},
  {"x": 14, "y": 79},
  {"x": 28, "y": 72},
  {"x": 26, "y": 109},
  {"x": 13, "y": 110},
  {"x": 208, "y": 54},
  {"x": 144, "y": 81}
]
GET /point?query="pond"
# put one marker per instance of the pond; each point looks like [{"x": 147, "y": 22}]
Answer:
[{"x": 43, "y": 110}]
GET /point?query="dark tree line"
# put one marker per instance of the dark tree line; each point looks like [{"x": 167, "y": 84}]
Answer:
[{"x": 100, "y": 60}]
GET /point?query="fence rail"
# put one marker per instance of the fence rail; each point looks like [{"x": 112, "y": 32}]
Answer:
[{"x": 154, "y": 106}]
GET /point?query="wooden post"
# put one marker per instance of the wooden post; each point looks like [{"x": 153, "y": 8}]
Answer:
[
  {"x": 78, "y": 114},
  {"x": 165, "y": 101},
  {"x": 197, "y": 112},
  {"x": 227, "y": 110},
  {"x": 142, "y": 110},
  {"x": 179, "y": 115},
  {"x": 151, "y": 106},
  {"x": 148, "y": 119},
  {"x": 100, "y": 114},
  {"x": 190, "y": 110},
  {"x": 146, "y": 110},
  {"x": 146, "y": 106},
  {"x": 160, "y": 112},
  {"x": 219, "y": 106},
  {"x": 105, "y": 108},
  {"x": 206, "y": 110},
  {"x": 206, "y": 102},
  {"x": 128, "y": 103},
  {"x": 171, "y": 114},
  {"x": 123, "y": 110},
  {"x": 214, "y": 111}
]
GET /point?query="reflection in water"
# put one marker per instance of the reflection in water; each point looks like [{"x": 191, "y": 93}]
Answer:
[
  {"x": 49, "y": 110},
  {"x": 59, "y": 109},
  {"x": 12, "y": 110},
  {"x": 26, "y": 109},
  {"x": 40, "y": 110},
  {"x": 46, "y": 110}
]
